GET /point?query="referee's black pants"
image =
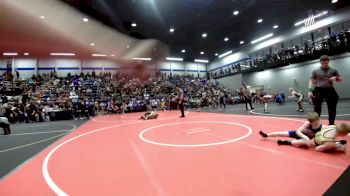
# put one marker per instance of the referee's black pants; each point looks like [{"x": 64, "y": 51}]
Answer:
[
  {"x": 331, "y": 97},
  {"x": 181, "y": 107},
  {"x": 247, "y": 101}
]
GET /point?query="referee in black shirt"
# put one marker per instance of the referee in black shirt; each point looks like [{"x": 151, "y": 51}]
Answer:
[
  {"x": 321, "y": 88},
  {"x": 180, "y": 98}
]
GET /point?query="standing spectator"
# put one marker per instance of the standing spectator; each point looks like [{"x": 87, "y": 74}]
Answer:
[
  {"x": 321, "y": 87},
  {"x": 247, "y": 98},
  {"x": 180, "y": 98},
  {"x": 17, "y": 75},
  {"x": 222, "y": 100}
]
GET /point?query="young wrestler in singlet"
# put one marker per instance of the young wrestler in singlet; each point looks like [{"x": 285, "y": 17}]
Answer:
[
  {"x": 300, "y": 97},
  {"x": 305, "y": 133}
]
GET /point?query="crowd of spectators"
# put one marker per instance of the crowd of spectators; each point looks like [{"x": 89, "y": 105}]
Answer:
[{"x": 44, "y": 97}]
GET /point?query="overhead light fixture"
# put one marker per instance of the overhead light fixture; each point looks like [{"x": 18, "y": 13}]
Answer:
[
  {"x": 10, "y": 53},
  {"x": 142, "y": 59},
  {"x": 174, "y": 59},
  {"x": 85, "y": 19},
  {"x": 204, "y": 35},
  {"x": 235, "y": 12},
  {"x": 226, "y": 39},
  {"x": 241, "y": 42},
  {"x": 127, "y": 46},
  {"x": 334, "y": 1},
  {"x": 62, "y": 54},
  {"x": 225, "y": 54},
  {"x": 275, "y": 26},
  {"x": 314, "y": 17},
  {"x": 201, "y": 61},
  {"x": 262, "y": 38},
  {"x": 92, "y": 44},
  {"x": 99, "y": 55},
  {"x": 42, "y": 17},
  {"x": 112, "y": 54},
  {"x": 26, "y": 54},
  {"x": 183, "y": 51},
  {"x": 202, "y": 52},
  {"x": 216, "y": 54},
  {"x": 171, "y": 30},
  {"x": 260, "y": 20},
  {"x": 133, "y": 24}
]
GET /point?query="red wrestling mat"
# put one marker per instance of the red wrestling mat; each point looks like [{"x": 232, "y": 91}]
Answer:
[{"x": 202, "y": 154}]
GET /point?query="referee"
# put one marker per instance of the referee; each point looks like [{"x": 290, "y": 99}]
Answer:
[
  {"x": 180, "y": 98},
  {"x": 321, "y": 88}
]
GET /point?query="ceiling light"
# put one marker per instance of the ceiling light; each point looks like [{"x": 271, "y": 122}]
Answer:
[
  {"x": 334, "y": 1},
  {"x": 204, "y": 35},
  {"x": 133, "y": 24},
  {"x": 260, "y": 20},
  {"x": 262, "y": 38},
  {"x": 202, "y": 52},
  {"x": 174, "y": 59},
  {"x": 216, "y": 54},
  {"x": 241, "y": 42},
  {"x": 171, "y": 30},
  {"x": 201, "y": 61},
  {"x": 62, "y": 54},
  {"x": 92, "y": 44},
  {"x": 235, "y": 12},
  {"x": 127, "y": 46},
  {"x": 85, "y": 19},
  {"x": 142, "y": 59},
  {"x": 42, "y": 17},
  {"x": 99, "y": 55},
  {"x": 314, "y": 17},
  {"x": 112, "y": 54},
  {"x": 183, "y": 51},
  {"x": 225, "y": 54},
  {"x": 26, "y": 54},
  {"x": 226, "y": 39},
  {"x": 275, "y": 26},
  {"x": 10, "y": 53}
]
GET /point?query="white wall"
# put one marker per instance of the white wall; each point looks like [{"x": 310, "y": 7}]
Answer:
[
  {"x": 65, "y": 66},
  {"x": 46, "y": 66},
  {"x": 99, "y": 65},
  {"x": 182, "y": 68},
  {"x": 3, "y": 66},
  {"x": 25, "y": 66},
  {"x": 232, "y": 82}
]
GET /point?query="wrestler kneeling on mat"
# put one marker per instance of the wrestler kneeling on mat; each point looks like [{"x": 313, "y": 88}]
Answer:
[
  {"x": 325, "y": 140},
  {"x": 150, "y": 115},
  {"x": 305, "y": 133}
]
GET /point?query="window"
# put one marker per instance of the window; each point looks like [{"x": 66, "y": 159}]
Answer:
[
  {"x": 346, "y": 25},
  {"x": 337, "y": 28},
  {"x": 288, "y": 44},
  {"x": 321, "y": 34}
]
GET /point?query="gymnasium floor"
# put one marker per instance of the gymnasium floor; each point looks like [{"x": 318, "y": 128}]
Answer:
[{"x": 203, "y": 154}]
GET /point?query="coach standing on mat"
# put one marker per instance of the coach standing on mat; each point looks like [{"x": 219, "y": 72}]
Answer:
[
  {"x": 321, "y": 88},
  {"x": 180, "y": 98}
]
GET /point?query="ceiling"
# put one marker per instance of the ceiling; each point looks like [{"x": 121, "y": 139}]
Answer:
[{"x": 191, "y": 18}]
